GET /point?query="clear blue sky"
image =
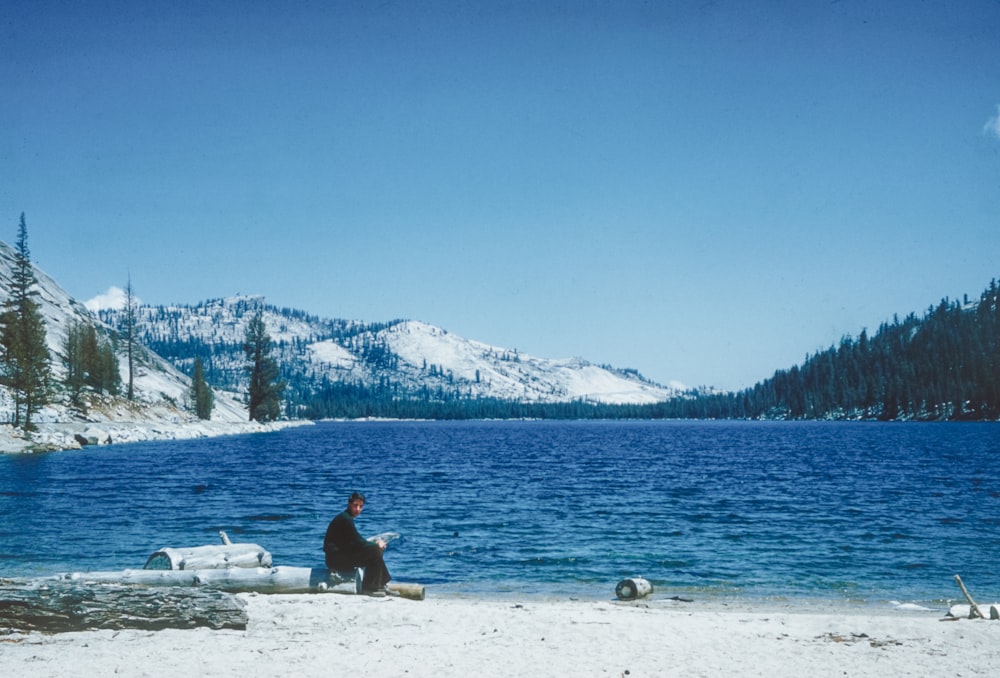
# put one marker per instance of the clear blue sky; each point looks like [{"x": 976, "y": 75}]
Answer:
[{"x": 704, "y": 191}]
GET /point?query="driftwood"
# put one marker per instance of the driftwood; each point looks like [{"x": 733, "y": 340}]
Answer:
[
  {"x": 217, "y": 557},
  {"x": 972, "y": 603},
  {"x": 411, "y": 591},
  {"x": 969, "y": 612},
  {"x": 630, "y": 589},
  {"x": 67, "y": 606},
  {"x": 279, "y": 579}
]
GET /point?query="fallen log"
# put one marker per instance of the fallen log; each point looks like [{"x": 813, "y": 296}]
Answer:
[
  {"x": 404, "y": 590},
  {"x": 278, "y": 579},
  {"x": 215, "y": 557},
  {"x": 219, "y": 556},
  {"x": 58, "y": 607}
]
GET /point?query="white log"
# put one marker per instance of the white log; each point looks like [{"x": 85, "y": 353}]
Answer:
[
  {"x": 209, "y": 557},
  {"x": 225, "y": 555},
  {"x": 280, "y": 579},
  {"x": 635, "y": 587}
]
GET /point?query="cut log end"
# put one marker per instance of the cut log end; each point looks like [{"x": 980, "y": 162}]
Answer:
[{"x": 633, "y": 588}]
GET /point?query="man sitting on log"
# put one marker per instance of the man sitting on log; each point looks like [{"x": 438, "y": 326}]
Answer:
[{"x": 345, "y": 548}]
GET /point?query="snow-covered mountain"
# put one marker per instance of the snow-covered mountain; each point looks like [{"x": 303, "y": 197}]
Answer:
[
  {"x": 405, "y": 358},
  {"x": 485, "y": 370},
  {"x": 409, "y": 357}
]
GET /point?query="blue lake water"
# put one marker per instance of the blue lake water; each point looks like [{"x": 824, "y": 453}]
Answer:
[{"x": 852, "y": 512}]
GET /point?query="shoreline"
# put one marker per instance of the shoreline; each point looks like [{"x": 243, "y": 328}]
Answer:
[
  {"x": 662, "y": 596},
  {"x": 320, "y": 634},
  {"x": 722, "y": 602},
  {"x": 65, "y": 436}
]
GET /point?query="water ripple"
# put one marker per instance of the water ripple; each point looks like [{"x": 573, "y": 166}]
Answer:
[{"x": 861, "y": 511}]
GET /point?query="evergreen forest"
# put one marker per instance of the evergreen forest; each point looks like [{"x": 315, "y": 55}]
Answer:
[{"x": 944, "y": 366}]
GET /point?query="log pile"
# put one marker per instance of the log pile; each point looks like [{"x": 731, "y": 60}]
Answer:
[{"x": 177, "y": 588}]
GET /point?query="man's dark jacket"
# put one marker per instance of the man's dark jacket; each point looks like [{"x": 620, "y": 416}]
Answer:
[{"x": 345, "y": 549}]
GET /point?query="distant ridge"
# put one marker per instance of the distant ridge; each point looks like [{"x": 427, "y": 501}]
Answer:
[
  {"x": 943, "y": 366},
  {"x": 403, "y": 359}
]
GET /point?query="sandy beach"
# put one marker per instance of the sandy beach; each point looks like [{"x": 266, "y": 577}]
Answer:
[{"x": 332, "y": 634}]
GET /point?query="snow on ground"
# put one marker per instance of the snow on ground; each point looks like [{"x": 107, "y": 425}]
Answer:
[
  {"x": 507, "y": 373},
  {"x": 52, "y": 436},
  {"x": 332, "y": 353}
]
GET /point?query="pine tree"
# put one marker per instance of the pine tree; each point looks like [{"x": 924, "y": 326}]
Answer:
[
  {"x": 76, "y": 373},
  {"x": 201, "y": 392},
  {"x": 131, "y": 329},
  {"x": 111, "y": 378},
  {"x": 25, "y": 364},
  {"x": 265, "y": 389},
  {"x": 90, "y": 362}
]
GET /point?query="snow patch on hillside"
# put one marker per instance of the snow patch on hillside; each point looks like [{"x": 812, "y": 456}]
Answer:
[
  {"x": 510, "y": 374},
  {"x": 332, "y": 353}
]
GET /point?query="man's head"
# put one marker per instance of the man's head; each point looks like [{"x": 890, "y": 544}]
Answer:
[{"x": 355, "y": 503}]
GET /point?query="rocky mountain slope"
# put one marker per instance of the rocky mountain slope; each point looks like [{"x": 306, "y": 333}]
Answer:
[{"x": 161, "y": 390}]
